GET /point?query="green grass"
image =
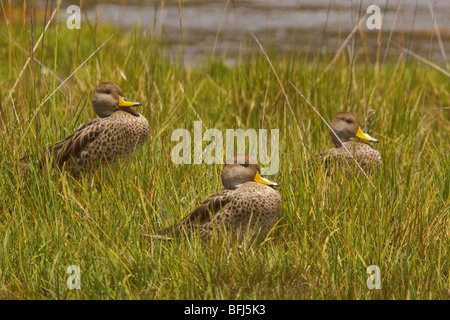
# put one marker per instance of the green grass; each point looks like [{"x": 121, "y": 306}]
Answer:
[{"x": 330, "y": 230}]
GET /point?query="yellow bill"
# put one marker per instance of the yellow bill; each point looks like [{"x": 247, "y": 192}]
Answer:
[
  {"x": 259, "y": 178},
  {"x": 365, "y": 136},
  {"x": 125, "y": 103}
]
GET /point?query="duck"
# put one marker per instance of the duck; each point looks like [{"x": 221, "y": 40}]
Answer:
[
  {"x": 116, "y": 134},
  {"x": 344, "y": 127},
  {"x": 249, "y": 203}
]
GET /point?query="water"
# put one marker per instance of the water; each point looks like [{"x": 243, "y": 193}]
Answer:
[{"x": 289, "y": 25}]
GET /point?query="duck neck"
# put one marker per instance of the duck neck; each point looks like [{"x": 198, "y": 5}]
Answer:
[
  {"x": 130, "y": 111},
  {"x": 338, "y": 141}
]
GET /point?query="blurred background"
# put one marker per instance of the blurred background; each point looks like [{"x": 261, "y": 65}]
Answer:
[{"x": 199, "y": 28}]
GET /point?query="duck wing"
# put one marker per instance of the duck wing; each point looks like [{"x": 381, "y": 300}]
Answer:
[
  {"x": 203, "y": 213},
  {"x": 74, "y": 144}
]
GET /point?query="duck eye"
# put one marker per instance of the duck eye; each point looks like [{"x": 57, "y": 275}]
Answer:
[
  {"x": 108, "y": 91},
  {"x": 348, "y": 120}
]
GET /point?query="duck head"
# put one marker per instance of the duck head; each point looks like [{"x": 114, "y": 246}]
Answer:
[
  {"x": 346, "y": 126},
  {"x": 240, "y": 169},
  {"x": 108, "y": 98}
]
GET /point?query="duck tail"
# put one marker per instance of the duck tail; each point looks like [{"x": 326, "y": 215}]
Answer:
[
  {"x": 166, "y": 234},
  {"x": 160, "y": 237}
]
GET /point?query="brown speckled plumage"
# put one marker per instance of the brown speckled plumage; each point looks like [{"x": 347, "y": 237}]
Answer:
[
  {"x": 117, "y": 135},
  {"x": 346, "y": 126},
  {"x": 368, "y": 158},
  {"x": 244, "y": 205}
]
